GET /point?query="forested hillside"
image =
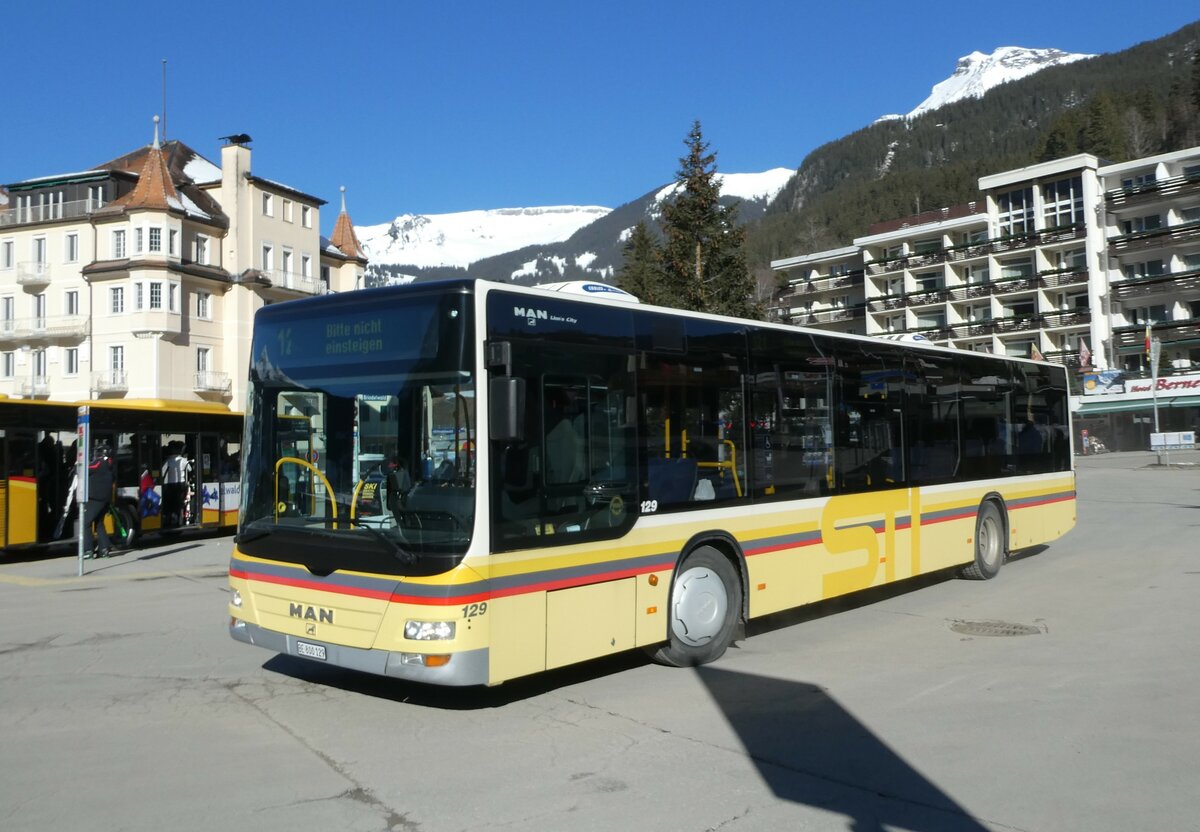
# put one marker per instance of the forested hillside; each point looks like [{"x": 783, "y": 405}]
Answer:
[{"x": 1137, "y": 102}]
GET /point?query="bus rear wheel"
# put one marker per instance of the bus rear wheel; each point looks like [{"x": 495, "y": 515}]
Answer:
[
  {"x": 706, "y": 601},
  {"x": 989, "y": 544}
]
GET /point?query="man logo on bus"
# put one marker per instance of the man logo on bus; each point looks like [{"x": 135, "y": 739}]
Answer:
[
  {"x": 531, "y": 315},
  {"x": 325, "y": 616}
]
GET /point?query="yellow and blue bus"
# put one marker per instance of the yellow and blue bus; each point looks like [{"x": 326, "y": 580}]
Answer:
[
  {"x": 565, "y": 476},
  {"x": 38, "y": 453}
]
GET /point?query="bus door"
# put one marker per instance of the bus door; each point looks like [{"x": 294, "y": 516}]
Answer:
[
  {"x": 18, "y": 488},
  {"x": 207, "y": 484}
]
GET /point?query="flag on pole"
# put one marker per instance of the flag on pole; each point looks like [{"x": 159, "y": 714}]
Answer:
[
  {"x": 1035, "y": 353},
  {"x": 1147, "y": 337},
  {"x": 1085, "y": 355}
]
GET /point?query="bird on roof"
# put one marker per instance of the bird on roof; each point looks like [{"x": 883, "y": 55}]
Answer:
[{"x": 237, "y": 138}]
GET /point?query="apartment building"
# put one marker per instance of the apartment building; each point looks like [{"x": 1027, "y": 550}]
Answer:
[
  {"x": 139, "y": 278},
  {"x": 1069, "y": 260}
]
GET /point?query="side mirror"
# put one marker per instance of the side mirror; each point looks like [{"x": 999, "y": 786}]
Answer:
[{"x": 506, "y": 421}]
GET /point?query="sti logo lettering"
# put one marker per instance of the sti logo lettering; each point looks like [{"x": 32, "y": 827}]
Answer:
[{"x": 311, "y": 613}]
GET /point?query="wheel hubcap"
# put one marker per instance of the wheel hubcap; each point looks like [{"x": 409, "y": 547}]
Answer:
[
  {"x": 699, "y": 606},
  {"x": 989, "y": 541}
]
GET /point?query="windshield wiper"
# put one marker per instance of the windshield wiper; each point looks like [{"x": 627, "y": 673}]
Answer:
[{"x": 397, "y": 551}]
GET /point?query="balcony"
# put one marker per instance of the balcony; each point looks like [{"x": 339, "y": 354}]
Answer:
[
  {"x": 48, "y": 328},
  {"x": 1070, "y": 276},
  {"x": 1015, "y": 323},
  {"x": 1012, "y": 285},
  {"x": 33, "y": 274},
  {"x": 209, "y": 381},
  {"x": 929, "y": 298},
  {"x": 826, "y": 317},
  {"x": 111, "y": 381},
  {"x": 36, "y": 387},
  {"x": 886, "y": 303},
  {"x": 1154, "y": 237},
  {"x": 1168, "y": 283},
  {"x": 1075, "y": 317},
  {"x": 30, "y": 215},
  {"x": 1175, "y": 333},
  {"x": 1068, "y": 358},
  {"x": 281, "y": 279},
  {"x": 154, "y": 322},
  {"x": 1175, "y": 186}
]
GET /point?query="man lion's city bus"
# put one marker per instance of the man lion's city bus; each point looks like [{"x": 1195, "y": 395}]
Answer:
[{"x": 464, "y": 482}]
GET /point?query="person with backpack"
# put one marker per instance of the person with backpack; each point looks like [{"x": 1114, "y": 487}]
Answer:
[{"x": 100, "y": 490}]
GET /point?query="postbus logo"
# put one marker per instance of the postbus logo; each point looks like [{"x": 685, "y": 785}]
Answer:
[{"x": 531, "y": 315}]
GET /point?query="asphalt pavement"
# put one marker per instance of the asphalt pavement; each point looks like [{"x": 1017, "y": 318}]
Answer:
[{"x": 1060, "y": 696}]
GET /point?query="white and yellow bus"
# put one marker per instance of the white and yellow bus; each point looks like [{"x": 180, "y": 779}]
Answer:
[{"x": 502, "y": 480}]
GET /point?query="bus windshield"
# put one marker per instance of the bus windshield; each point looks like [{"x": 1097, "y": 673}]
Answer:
[{"x": 360, "y": 436}]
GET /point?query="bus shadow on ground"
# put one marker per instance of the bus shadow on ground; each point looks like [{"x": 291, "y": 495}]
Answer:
[
  {"x": 810, "y": 750},
  {"x": 452, "y": 698}
]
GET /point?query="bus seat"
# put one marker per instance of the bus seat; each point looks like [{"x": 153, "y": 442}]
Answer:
[{"x": 671, "y": 480}]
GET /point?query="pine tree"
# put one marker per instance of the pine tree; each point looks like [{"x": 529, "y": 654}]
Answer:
[
  {"x": 641, "y": 270},
  {"x": 704, "y": 259}
]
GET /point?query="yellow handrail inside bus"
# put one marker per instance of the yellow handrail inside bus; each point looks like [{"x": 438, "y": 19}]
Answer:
[
  {"x": 726, "y": 465},
  {"x": 329, "y": 488}
]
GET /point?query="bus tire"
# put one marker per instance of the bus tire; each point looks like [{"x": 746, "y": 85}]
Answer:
[
  {"x": 702, "y": 615},
  {"x": 989, "y": 544}
]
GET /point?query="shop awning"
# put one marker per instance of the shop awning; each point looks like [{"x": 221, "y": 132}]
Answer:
[{"x": 1093, "y": 408}]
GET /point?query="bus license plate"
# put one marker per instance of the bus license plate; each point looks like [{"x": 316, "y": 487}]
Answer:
[{"x": 313, "y": 651}]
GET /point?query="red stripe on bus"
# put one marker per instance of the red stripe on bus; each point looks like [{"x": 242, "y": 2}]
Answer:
[{"x": 304, "y": 584}]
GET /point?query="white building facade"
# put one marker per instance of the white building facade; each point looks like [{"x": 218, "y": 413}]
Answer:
[
  {"x": 139, "y": 278},
  {"x": 1067, "y": 260}
]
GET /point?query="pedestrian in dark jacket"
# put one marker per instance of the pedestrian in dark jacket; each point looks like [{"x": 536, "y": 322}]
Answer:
[{"x": 100, "y": 488}]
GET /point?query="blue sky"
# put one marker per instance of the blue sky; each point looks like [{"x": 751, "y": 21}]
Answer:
[{"x": 432, "y": 107}]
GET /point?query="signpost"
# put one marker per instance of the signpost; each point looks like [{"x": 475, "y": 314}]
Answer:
[
  {"x": 83, "y": 442},
  {"x": 1155, "y": 353}
]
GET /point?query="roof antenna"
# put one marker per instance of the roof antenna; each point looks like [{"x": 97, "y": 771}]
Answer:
[{"x": 164, "y": 111}]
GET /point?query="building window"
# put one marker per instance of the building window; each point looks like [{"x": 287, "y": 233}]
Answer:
[
  {"x": 116, "y": 362},
  {"x": 39, "y": 311},
  {"x": 1015, "y": 212},
  {"x": 6, "y": 254},
  {"x": 71, "y": 361},
  {"x": 172, "y": 297},
  {"x": 201, "y": 249},
  {"x": 1062, "y": 202},
  {"x": 1147, "y": 223},
  {"x": 173, "y": 242},
  {"x": 287, "y": 210},
  {"x": 139, "y": 237},
  {"x": 116, "y": 300},
  {"x": 39, "y": 250},
  {"x": 71, "y": 303},
  {"x": 9, "y": 365},
  {"x": 268, "y": 205},
  {"x": 138, "y": 301},
  {"x": 118, "y": 244},
  {"x": 95, "y": 197},
  {"x": 286, "y": 264},
  {"x": 7, "y": 313},
  {"x": 72, "y": 248},
  {"x": 325, "y": 275},
  {"x": 268, "y": 258},
  {"x": 306, "y": 266},
  {"x": 155, "y": 240},
  {"x": 156, "y": 295},
  {"x": 202, "y": 359},
  {"x": 306, "y": 216},
  {"x": 204, "y": 305}
]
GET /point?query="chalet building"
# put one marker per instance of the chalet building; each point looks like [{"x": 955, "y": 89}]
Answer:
[
  {"x": 1072, "y": 260},
  {"x": 139, "y": 278}
]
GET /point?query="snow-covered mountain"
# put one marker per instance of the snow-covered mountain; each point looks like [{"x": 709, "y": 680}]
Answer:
[
  {"x": 977, "y": 73},
  {"x": 460, "y": 239}
]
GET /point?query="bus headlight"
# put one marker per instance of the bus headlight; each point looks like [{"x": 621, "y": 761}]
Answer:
[
  {"x": 237, "y": 599},
  {"x": 429, "y": 630}
]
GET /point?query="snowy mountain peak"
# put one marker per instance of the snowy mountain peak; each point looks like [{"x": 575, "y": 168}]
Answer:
[
  {"x": 977, "y": 73},
  {"x": 745, "y": 186},
  {"x": 462, "y": 238}
]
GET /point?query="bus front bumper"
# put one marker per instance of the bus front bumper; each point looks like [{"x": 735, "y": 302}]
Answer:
[{"x": 464, "y": 669}]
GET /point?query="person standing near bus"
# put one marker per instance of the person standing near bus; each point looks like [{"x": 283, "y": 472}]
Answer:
[
  {"x": 100, "y": 488},
  {"x": 174, "y": 480}
]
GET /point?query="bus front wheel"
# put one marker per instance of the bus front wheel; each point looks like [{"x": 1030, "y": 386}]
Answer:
[
  {"x": 706, "y": 600},
  {"x": 989, "y": 544}
]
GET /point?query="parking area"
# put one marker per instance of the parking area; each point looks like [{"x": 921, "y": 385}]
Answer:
[{"x": 1059, "y": 696}]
